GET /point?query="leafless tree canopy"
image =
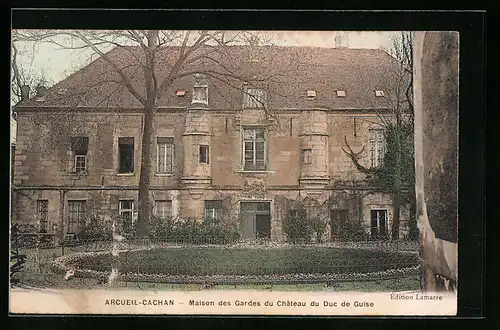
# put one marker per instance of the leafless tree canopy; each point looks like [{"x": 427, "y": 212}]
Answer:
[{"x": 146, "y": 64}]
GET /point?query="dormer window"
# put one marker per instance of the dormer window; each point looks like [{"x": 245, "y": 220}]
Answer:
[
  {"x": 311, "y": 94},
  {"x": 341, "y": 93},
  {"x": 254, "y": 98},
  {"x": 200, "y": 89},
  {"x": 379, "y": 93}
]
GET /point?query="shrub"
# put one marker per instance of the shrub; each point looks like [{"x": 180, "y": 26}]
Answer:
[
  {"x": 318, "y": 226},
  {"x": 191, "y": 231},
  {"x": 297, "y": 227},
  {"x": 353, "y": 231},
  {"x": 96, "y": 228}
]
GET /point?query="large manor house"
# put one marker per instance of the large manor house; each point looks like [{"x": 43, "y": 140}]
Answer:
[{"x": 240, "y": 148}]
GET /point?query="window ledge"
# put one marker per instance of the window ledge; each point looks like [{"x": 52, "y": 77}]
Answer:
[
  {"x": 125, "y": 174},
  {"x": 83, "y": 173},
  {"x": 164, "y": 174},
  {"x": 255, "y": 171}
]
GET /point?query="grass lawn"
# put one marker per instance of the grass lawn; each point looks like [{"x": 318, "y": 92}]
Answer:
[{"x": 252, "y": 261}]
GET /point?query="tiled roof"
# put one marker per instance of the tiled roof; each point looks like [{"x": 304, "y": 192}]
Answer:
[{"x": 286, "y": 72}]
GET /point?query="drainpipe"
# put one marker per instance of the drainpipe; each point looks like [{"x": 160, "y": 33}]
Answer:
[{"x": 60, "y": 230}]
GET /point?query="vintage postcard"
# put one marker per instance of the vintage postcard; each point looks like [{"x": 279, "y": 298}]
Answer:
[{"x": 234, "y": 172}]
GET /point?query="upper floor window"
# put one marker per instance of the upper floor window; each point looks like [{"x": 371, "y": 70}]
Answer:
[
  {"x": 79, "y": 149},
  {"x": 254, "y": 149},
  {"x": 163, "y": 208},
  {"x": 213, "y": 210},
  {"x": 165, "y": 155},
  {"x": 306, "y": 156},
  {"x": 377, "y": 147},
  {"x": 254, "y": 98},
  {"x": 126, "y": 155},
  {"x": 204, "y": 154},
  {"x": 200, "y": 89}
]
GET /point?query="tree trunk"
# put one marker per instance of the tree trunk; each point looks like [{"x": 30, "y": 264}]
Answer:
[
  {"x": 396, "y": 208},
  {"x": 142, "y": 227},
  {"x": 396, "y": 197}
]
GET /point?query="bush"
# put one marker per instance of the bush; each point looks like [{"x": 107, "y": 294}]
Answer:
[
  {"x": 96, "y": 228},
  {"x": 297, "y": 227},
  {"x": 352, "y": 231},
  {"x": 318, "y": 226},
  {"x": 191, "y": 231}
]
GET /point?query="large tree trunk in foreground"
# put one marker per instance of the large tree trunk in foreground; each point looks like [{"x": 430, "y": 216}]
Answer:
[{"x": 142, "y": 228}]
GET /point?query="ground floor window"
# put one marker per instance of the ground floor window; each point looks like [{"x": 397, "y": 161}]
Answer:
[
  {"x": 77, "y": 210},
  {"x": 126, "y": 212},
  {"x": 163, "y": 208},
  {"x": 255, "y": 220},
  {"x": 213, "y": 210},
  {"x": 378, "y": 224},
  {"x": 42, "y": 211}
]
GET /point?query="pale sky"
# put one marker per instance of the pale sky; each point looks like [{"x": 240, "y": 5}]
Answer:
[{"x": 56, "y": 64}]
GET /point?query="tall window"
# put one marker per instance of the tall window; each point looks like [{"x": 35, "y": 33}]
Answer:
[
  {"x": 378, "y": 224},
  {"x": 377, "y": 147},
  {"x": 204, "y": 154},
  {"x": 163, "y": 208},
  {"x": 200, "y": 89},
  {"x": 254, "y": 98},
  {"x": 77, "y": 210},
  {"x": 126, "y": 212},
  {"x": 165, "y": 155},
  {"x": 42, "y": 211},
  {"x": 213, "y": 210},
  {"x": 306, "y": 156},
  {"x": 254, "y": 149},
  {"x": 79, "y": 148},
  {"x": 126, "y": 154}
]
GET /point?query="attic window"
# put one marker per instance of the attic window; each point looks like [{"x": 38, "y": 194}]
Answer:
[
  {"x": 180, "y": 93},
  {"x": 62, "y": 91},
  {"x": 200, "y": 89},
  {"x": 379, "y": 93},
  {"x": 341, "y": 93},
  {"x": 311, "y": 94},
  {"x": 254, "y": 98},
  {"x": 40, "y": 98}
]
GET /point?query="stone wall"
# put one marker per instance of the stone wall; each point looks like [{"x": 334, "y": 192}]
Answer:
[{"x": 43, "y": 160}]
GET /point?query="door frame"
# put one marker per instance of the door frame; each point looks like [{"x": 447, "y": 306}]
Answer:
[{"x": 256, "y": 201}]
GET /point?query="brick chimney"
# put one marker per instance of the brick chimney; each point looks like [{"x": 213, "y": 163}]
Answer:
[
  {"x": 40, "y": 91},
  {"x": 25, "y": 92}
]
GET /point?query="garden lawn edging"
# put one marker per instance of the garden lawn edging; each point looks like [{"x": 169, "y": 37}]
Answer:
[{"x": 72, "y": 262}]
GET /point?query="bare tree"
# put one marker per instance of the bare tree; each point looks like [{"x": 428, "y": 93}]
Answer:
[
  {"x": 396, "y": 174},
  {"x": 24, "y": 81},
  {"x": 151, "y": 61}
]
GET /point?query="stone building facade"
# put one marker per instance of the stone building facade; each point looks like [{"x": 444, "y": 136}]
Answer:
[{"x": 240, "y": 165}]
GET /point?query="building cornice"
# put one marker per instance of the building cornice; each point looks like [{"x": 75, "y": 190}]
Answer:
[{"x": 159, "y": 110}]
